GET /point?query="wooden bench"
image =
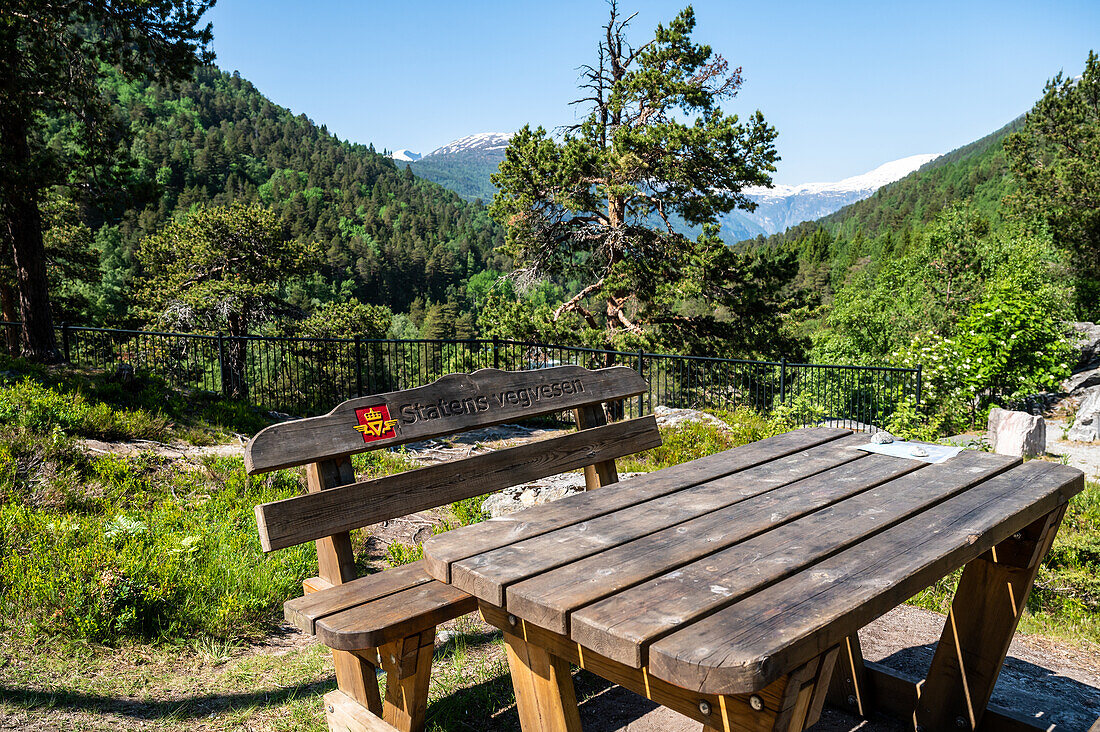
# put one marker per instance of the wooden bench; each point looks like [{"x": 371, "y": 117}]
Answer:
[{"x": 387, "y": 620}]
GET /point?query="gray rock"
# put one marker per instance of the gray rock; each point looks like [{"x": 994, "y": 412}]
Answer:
[
  {"x": 671, "y": 417},
  {"x": 1017, "y": 433},
  {"x": 1086, "y": 425},
  {"x": 536, "y": 493},
  {"x": 1081, "y": 380},
  {"x": 1088, "y": 343}
]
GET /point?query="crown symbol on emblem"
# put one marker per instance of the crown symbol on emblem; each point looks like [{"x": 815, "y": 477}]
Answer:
[{"x": 374, "y": 423}]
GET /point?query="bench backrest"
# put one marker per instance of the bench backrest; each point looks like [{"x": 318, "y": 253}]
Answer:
[{"x": 456, "y": 403}]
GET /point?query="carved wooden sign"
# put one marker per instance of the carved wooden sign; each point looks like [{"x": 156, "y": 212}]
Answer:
[{"x": 453, "y": 403}]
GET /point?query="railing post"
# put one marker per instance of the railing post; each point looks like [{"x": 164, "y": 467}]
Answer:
[
  {"x": 783, "y": 381},
  {"x": 221, "y": 365},
  {"x": 496, "y": 355},
  {"x": 641, "y": 372},
  {"x": 358, "y": 365},
  {"x": 920, "y": 369},
  {"x": 65, "y": 341}
]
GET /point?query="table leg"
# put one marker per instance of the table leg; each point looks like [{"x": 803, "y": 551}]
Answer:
[
  {"x": 791, "y": 703},
  {"x": 545, "y": 697},
  {"x": 849, "y": 689},
  {"x": 983, "y": 618}
]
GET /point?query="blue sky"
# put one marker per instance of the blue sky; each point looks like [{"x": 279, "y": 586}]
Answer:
[{"x": 848, "y": 84}]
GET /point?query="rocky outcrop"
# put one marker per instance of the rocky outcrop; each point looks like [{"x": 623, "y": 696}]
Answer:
[
  {"x": 1088, "y": 344},
  {"x": 671, "y": 417},
  {"x": 1086, "y": 425},
  {"x": 536, "y": 493},
  {"x": 1016, "y": 433}
]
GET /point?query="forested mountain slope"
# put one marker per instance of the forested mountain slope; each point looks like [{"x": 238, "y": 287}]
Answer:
[
  {"x": 388, "y": 237},
  {"x": 976, "y": 173}
]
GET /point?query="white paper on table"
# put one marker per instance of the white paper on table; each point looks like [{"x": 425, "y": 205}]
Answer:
[{"x": 903, "y": 449}]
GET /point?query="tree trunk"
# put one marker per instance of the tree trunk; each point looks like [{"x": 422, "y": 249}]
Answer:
[
  {"x": 24, "y": 235},
  {"x": 9, "y": 314},
  {"x": 234, "y": 384}
]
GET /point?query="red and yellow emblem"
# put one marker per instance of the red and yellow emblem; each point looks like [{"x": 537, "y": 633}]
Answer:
[{"x": 375, "y": 423}]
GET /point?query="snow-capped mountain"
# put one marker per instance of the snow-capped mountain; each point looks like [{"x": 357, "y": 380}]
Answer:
[
  {"x": 406, "y": 156},
  {"x": 465, "y": 164},
  {"x": 483, "y": 142},
  {"x": 784, "y": 206}
]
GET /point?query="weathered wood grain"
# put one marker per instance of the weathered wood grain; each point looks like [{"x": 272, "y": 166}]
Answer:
[
  {"x": 548, "y": 598},
  {"x": 623, "y": 625},
  {"x": 744, "y": 646},
  {"x": 984, "y": 614},
  {"x": 603, "y": 472},
  {"x": 443, "y": 550},
  {"x": 303, "y": 612},
  {"x": 296, "y": 520},
  {"x": 394, "y": 616},
  {"x": 487, "y": 575},
  {"x": 344, "y": 714},
  {"x": 453, "y": 403}
]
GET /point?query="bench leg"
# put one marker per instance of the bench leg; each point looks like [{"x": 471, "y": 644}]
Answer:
[
  {"x": 357, "y": 678},
  {"x": 408, "y": 667},
  {"x": 545, "y": 698},
  {"x": 849, "y": 689},
  {"x": 980, "y": 626}
]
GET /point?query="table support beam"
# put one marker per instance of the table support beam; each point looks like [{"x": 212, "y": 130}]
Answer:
[
  {"x": 540, "y": 660},
  {"x": 849, "y": 689},
  {"x": 983, "y": 618}
]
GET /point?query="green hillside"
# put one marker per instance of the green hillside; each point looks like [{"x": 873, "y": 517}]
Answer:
[
  {"x": 388, "y": 237},
  {"x": 976, "y": 173},
  {"x": 468, "y": 176}
]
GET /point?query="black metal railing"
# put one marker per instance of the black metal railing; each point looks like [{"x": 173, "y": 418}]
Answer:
[{"x": 306, "y": 376}]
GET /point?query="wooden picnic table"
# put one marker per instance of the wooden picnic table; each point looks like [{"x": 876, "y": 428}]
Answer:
[{"x": 730, "y": 587}]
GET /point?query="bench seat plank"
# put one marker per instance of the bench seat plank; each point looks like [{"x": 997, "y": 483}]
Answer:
[
  {"x": 624, "y": 625},
  {"x": 443, "y": 550},
  {"x": 296, "y": 520},
  {"x": 304, "y": 612},
  {"x": 394, "y": 616},
  {"x": 487, "y": 575},
  {"x": 748, "y": 644},
  {"x": 548, "y": 599}
]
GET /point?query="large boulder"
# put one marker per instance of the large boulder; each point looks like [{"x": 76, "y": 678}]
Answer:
[
  {"x": 1017, "y": 433},
  {"x": 1088, "y": 343},
  {"x": 1086, "y": 425}
]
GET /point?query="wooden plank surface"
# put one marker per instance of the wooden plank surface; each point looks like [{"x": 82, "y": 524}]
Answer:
[
  {"x": 487, "y": 575},
  {"x": 394, "y": 616},
  {"x": 344, "y": 714},
  {"x": 547, "y": 599},
  {"x": 443, "y": 550},
  {"x": 296, "y": 520},
  {"x": 453, "y": 403},
  {"x": 625, "y": 624},
  {"x": 304, "y": 611},
  {"x": 744, "y": 646}
]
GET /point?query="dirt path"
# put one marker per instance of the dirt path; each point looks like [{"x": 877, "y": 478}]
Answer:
[{"x": 1083, "y": 455}]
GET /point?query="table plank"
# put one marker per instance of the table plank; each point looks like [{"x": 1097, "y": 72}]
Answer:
[
  {"x": 746, "y": 645},
  {"x": 623, "y": 625},
  {"x": 443, "y": 550},
  {"x": 548, "y": 598},
  {"x": 487, "y": 575}
]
